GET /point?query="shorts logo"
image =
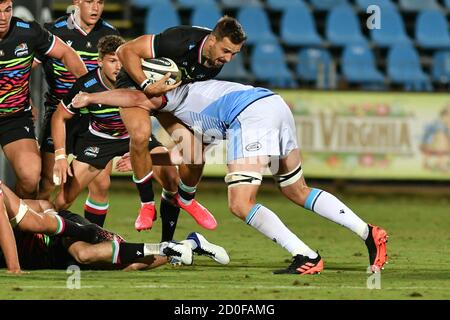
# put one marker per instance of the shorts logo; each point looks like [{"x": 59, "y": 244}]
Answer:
[
  {"x": 21, "y": 50},
  {"x": 255, "y": 146},
  {"x": 27, "y": 128},
  {"x": 91, "y": 152}
]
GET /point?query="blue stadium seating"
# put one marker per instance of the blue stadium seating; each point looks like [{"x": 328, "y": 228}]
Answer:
[
  {"x": 342, "y": 27},
  {"x": 235, "y": 71},
  {"x": 432, "y": 30},
  {"x": 284, "y": 4},
  {"x": 392, "y": 31},
  {"x": 161, "y": 17},
  {"x": 327, "y": 4},
  {"x": 240, "y": 3},
  {"x": 295, "y": 19},
  {"x": 268, "y": 65},
  {"x": 418, "y": 5},
  {"x": 403, "y": 67},
  {"x": 149, "y": 3},
  {"x": 441, "y": 67},
  {"x": 205, "y": 16},
  {"x": 384, "y": 4},
  {"x": 447, "y": 4},
  {"x": 314, "y": 63},
  {"x": 195, "y": 3},
  {"x": 358, "y": 66},
  {"x": 256, "y": 24}
]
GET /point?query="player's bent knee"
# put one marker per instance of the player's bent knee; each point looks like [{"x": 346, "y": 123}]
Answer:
[
  {"x": 287, "y": 179},
  {"x": 83, "y": 255}
]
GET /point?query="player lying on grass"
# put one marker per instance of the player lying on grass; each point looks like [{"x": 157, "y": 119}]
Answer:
[
  {"x": 110, "y": 251},
  {"x": 260, "y": 130},
  {"x": 107, "y": 138}
]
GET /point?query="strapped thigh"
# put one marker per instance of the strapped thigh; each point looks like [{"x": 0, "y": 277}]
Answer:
[
  {"x": 289, "y": 178},
  {"x": 236, "y": 178},
  {"x": 23, "y": 209}
]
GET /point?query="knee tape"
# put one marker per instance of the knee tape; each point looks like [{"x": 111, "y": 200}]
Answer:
[{"x": 23, "y": 209}]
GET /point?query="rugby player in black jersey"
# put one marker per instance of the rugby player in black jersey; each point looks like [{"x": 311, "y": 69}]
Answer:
[
  {"x": 200, "y": 54},
  {"x": 20, "y": 41},
  {"x": 82, "y": 30}
]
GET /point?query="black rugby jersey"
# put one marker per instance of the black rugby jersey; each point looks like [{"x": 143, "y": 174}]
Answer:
[
  {"x": 59, "y": 79},
  {"x": 17, "y": 50},
  {"x": 184, "y": 46},
  {"x": 105, "y": 121}
]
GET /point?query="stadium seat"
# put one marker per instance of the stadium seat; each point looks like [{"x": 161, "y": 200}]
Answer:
[
  {"x": 324, "y": 5},
  {"x": 432, "y": 30},
  {"x": 205, "y": 16},
  {"x": 235, "y": 71},
  {"x": 343, "y": 27},
  {"x": 268, "y": 65},
  {"x": 392, "y": 31},
  {"x": 284, "y": 4},
  {"x": 403, "y": 67},
  {"x": 240, "y": 3},
  {"x": 441, "y": 67},
  {"x": 256, "y": 24},
  {"x": 418, "y": 5},
  {"x": 195, "y": 3},
  {"x": 384, "y": 4},
  {"x": 149, "y": 3},
  {"x": 358, "y": 66},
  {"x": 314, "y": 65},
  {"x": 447, "y": 4},
  {"x": 295, "y": 19},
  {"x": 161, "y": 17}
]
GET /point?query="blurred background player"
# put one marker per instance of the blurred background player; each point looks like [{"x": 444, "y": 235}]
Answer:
[
  {"x": 200, "y": 54},
  {"x": 82, "y": 30},
  {"x": 20, "y": 41},
  {"x": 261, "y": 131}
]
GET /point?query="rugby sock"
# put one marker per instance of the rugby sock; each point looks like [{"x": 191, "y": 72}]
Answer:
[
  {"x": 74, "y": 230},
  {"x": 268, "y": 223},
  {"x": 169, "y": 215},
  {"x": 331, "y": 208},
  {"x": 96, "y": 212},
  {"x": 125, "y": 252},
  {"x": 186, "y": 193},
  {"x": 145, "y": 188}
]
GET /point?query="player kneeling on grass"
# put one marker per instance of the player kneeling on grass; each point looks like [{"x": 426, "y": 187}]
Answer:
[
  {"x": 108, "y": 250},
  {"x": 260, "y": 129}
]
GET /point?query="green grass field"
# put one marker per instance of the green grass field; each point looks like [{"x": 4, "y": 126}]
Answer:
[{"x": 419, "y": 250}]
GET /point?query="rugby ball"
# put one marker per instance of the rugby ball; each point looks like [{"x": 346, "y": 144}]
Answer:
[{"x": 155, "y": 69}]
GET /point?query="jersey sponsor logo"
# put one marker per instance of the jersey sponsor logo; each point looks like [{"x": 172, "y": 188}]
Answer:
[
  {"x": 254, "y": 146},
  {"x": 91, "y": 152},
  {"x": 23, "y": 25},
  {"x": 21, "y": 50},
  {"x": 90, "y": 83}
]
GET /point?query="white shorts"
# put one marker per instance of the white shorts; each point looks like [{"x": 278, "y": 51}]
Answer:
[{"x": 265, "y": 128}]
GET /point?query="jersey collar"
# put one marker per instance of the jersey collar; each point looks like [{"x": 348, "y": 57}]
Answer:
[{"x": 201, "y": 48}]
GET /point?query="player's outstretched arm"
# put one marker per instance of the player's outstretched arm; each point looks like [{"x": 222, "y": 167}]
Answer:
[
  {"x": 125, "y": 98},
  {"x": 61, "y": 168},
  {"x": 69, "y": 57},
  {"x": 7, "y": 240}
]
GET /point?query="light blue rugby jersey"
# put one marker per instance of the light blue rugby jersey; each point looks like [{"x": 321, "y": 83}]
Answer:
[{"x": 211, "y": 106}]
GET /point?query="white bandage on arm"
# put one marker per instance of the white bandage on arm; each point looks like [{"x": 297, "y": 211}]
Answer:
[
  {"x": 289, "y": 178},
  {"x": 243, "y": 177},
  {"x": 23, "y": 209}
]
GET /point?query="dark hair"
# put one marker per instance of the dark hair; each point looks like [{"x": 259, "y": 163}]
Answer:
[
  {"x": 230, "y": 28},
  {"x": 109, "y": 44}
]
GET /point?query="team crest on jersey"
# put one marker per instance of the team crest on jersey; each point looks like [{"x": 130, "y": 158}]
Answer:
[
  {"x": 2, "y": 53},
  {"x": 21, "y": 50},
  {"x": 91, "y": 152},
  {"x": 69, "y": 43},
  {"x": 255, "y": 146},
  {"x": 88, "y": 44}
]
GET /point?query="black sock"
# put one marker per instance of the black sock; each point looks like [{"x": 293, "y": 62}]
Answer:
[
  {"x": 145, "y": 188},
  {"x": 71, "y": 229},
  {"x": 129, "y": 252},
  {"x": 98, "y": 219},
  {"x": 169, "y": 218},
  {"x": 185, "y": 192}
]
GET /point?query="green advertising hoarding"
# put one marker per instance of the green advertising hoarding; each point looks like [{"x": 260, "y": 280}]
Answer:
[{"x": 361, "y": 135}]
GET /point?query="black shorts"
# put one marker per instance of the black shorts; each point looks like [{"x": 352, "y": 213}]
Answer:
[
  {"x": 16, "y": 127},
  {"x": 75, "y": 127},
  {"x": 98, "y": 151}
]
